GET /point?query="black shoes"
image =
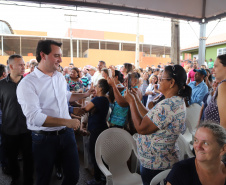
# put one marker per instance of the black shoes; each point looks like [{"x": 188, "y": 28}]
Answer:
[{"x": 59, "y": 173}]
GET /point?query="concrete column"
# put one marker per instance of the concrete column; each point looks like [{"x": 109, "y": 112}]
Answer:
[
  {"x": 202, "y": 44},
  {"x": 175, "y": 41}
]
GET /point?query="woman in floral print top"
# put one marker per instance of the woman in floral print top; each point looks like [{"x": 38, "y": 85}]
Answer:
[
  {"x": 159, "y": 128},
  {"x": 74, "y": 81}
]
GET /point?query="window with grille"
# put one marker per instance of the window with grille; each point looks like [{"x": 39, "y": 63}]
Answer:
[{"x": 221, "y": 51}]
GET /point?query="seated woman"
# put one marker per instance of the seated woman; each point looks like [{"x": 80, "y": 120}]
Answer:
[
  {"x": 98, "y": 110},
  {"x": 206, "y": 168},
  {"x": 159, "y": 128},
  {"x": 74, "y": 81}
]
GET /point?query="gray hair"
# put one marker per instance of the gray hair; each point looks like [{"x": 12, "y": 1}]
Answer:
[{"x": 218, "y": 131}]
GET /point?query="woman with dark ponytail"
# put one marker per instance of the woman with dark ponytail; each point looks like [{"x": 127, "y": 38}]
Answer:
[{"x": 159, "y": 128}]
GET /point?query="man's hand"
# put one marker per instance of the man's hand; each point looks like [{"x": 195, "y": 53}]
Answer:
[{"x": 73, "y": 123}]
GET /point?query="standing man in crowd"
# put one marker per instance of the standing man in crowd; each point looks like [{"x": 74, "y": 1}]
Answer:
[
  {"x": 44, "y": 100},
  {"x": 191, "y": 74},
  {"x": 97, "y": 76},
  {"x": 3, "y": 74},
  {"x": 199, "y": 87},
  {"x": 14, "y": 129}
]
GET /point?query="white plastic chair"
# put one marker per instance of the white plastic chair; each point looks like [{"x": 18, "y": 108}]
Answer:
[
  {"x": 184, "y": 148},
  {"x": 115, "y": 146},
  {"x": 192, "y": 116},
  {"x": 192, "y": 119},
  {"x": 160, "y": 177}
]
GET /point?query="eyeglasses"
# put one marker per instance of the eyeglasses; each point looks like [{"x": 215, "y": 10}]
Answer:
[{"x": 164, "y": 79}]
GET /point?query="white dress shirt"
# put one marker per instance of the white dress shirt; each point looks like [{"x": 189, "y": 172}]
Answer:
[
  {"x": 96, "y": 77},
  {"x": 40, "y": 96}
]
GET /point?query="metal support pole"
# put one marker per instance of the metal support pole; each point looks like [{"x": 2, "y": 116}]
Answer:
[
  {"x": 20, "y": 47},
  {"x": 2, "y": 46},
  {"x": 71, "y": 42},
  {"x": 77, "y": 48},
  {"x": 137, "y": 45},
  {"x": 202, "y": 44},
  {"x": 150, "y": 50},
  {"x": 120, "y": 46}
]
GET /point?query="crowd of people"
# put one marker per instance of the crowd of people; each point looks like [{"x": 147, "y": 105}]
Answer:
[{"x": 44, "y": 105}]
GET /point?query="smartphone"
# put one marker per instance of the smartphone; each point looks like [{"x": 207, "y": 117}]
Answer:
[
  {"x": 129, "y": 81},
  {"x": 109, "y": 73}
]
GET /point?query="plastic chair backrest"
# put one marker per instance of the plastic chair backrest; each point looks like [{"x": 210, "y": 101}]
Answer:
[
  {"x": 184, "y": 148},
  {"x": 160, "y": 178},
  {"x": 192, "y": 116},
  {"x": 115, "y": 146}
]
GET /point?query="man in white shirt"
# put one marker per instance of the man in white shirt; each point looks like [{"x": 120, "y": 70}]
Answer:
[
  {"x": 44, "y": 98},
  {"x": 97, "y": 76}
]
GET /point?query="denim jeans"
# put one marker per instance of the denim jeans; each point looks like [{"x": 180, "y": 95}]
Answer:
[
  {"x": 47, "y": 148},
  {"x": 147, "y": 174}
]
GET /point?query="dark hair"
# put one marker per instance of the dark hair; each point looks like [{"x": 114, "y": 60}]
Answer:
[
  {"x": 148, "y": 77},
  {"x": 178, "y": 73},
  {"x": 157, "y": 69},
  {"x": 222, "y": 59},
  {"x": 45, "y": 47},
  {"x": 210, "y": 78},
  {"x": 71, "y": 64},
  {"x": 105, "y": 70},
  {"x": 103, "y": 84},
  {"x": 77, "y": 70},
  {"x": 119, "y": 75},
  {"x": 12, "y": 57},
  {"x": 129, "y": 67},
  {"x": 155, "y": 77},
  {"x": 61, "y": 68},
  {"x": 2, "y": 69},
  {"x": 103, "y": 62},
  {"x": 135, "y": 75}
]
